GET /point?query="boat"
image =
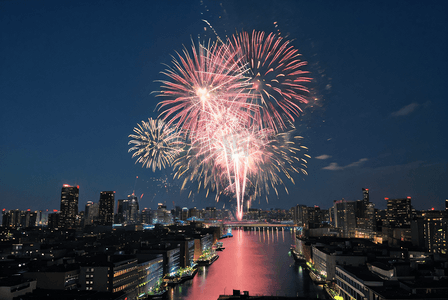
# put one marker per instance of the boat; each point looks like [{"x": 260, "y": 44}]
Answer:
[
  {"x": 207, "y": 262},
  {"x": 188, "y": 275},
  {"x": 219, "y": 246},
  {"x": 298, "y": 258},
  {"x": 316, "y": 278},
  {"x": 171, "y": 280}
]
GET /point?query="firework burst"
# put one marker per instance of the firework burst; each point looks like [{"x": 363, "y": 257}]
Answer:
[
  {"x": 234, "y": 104},
  {"x": 155, "y": 144},
  {"x": 276, "y": 75},
  {"x": 201, "y": 84}
]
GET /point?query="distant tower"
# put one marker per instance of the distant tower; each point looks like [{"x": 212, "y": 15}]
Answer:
[
  {"x": 69, "y": 205},
  {"x": 365, "y": 193},
  {"x": 345, "y": 217},
  {"x": 91, "y": 213},
  {"x": 134, "y": 211},
  {"x": 106, "y": 209},
  {"x": 446, "y": 204},
  {"x": 122, "y": 210}
]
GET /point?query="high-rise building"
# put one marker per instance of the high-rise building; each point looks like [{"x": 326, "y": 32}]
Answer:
[
  {"x": 146, "y": 216},
  {"x": 69, "y": 205},
  {"x": 399, "y": 212},
  {"x": 128, "y": 211},
  {"x": 365, "y": 216},
  {"x": 301, "y": 215},
  {"x": 91, "y": 213},
  {"x": 184, "y": 215},
  {"x": 162, "y": 215},
  {"x": 42, "y": 218},
  {"x": 134, "y": 211},
  {"x": 435, "y": 224},
  {"x": 122, "y": 211},
  {"x": 345, "y": 218},
  {"x": 397, "y": 225},
  {"x": 365, "y": 195},
  {"x": 106, "y": 208},
  {"x": 192, "y": 212}
]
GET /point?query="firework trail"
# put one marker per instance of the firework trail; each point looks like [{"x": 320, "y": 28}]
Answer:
[
  {"x": 234, "y": 105},
  {"x": 155, "y": 144}
]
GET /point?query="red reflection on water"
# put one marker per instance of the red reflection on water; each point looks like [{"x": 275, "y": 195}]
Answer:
[{"x": 245, "y": 265}]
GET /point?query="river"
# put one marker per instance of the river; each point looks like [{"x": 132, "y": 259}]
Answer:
[{"x": 254, "y": 261}]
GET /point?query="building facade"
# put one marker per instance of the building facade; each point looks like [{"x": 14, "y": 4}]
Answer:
[
  {"x": 69, "y": 205},
  {"x": 106, "y": 208}
]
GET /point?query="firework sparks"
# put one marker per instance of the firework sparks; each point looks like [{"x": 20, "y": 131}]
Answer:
[
  {"x": 276, "y": 75},
  {"x": 155, "y": 144},
  {"x": 234, "y": 104}
]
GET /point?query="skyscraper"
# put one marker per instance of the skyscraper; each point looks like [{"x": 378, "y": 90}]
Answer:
[
  {"x": 365, "y": 216},
  {"x": 106, "y": 209},
  {"x": 122, "y": 211},
  {"x": 365, "y": 193},
  {"x": 345, "y": 218},
  {"x": 399, "y": 212},
  {"x": 69, "y": 205},
  {"x": 91, "y": 213},
  {"x": 134, "y": 211}
]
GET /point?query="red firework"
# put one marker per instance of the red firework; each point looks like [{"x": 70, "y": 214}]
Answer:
[
  {"x": 276, "y": 75},
  {"x": 201, "y": 84},
  {"x": 233, "y": 103}
]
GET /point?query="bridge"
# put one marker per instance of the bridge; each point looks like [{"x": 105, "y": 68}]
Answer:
[{"x": 256, "y": 225}]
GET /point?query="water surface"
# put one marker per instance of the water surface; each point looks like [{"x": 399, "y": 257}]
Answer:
[{"x": 254, "y": 261}]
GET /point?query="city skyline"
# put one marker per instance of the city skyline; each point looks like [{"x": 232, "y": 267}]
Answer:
[{"x": 76, "y": 79}]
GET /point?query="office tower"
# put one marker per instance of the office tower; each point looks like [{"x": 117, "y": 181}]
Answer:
[
  {"x": 192, "y": 212},
  {"x": 162, "y": 215},
  {"x": 69, "y": 205},
  {"x": 28, "y": 218},
  {"x": 435, "y": 226},
  {"x": 146, "y": 216},
  {"x": 134, "y": 211},
  {"x": 397, "y": 226},
  {"x": 399, "y": 212},
  {"x": 122, "y": 211},
  {"x": 128, "y": 211},
  {"x": 301, "y": 216},
  {"x": 55, "y": 220},
  {"x": 365, "y": 216},
  {"x": 365, "y": 194},
  {"x": 446, "y": 204},
  {"x": 106, "y": 208},
  {"x": 91, "y": 213},
  {"x": 184, "y": 215},
  {"x": 7, "y": 218},
  {"x": 344, "y": 216},
  {"x": 177, "y": 212}
]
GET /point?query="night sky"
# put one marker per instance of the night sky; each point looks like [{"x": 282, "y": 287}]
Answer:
[{"x": 77, "y": 76}]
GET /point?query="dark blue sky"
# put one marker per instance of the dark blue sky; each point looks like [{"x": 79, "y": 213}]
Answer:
[{"x": 77, "y": 76}]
